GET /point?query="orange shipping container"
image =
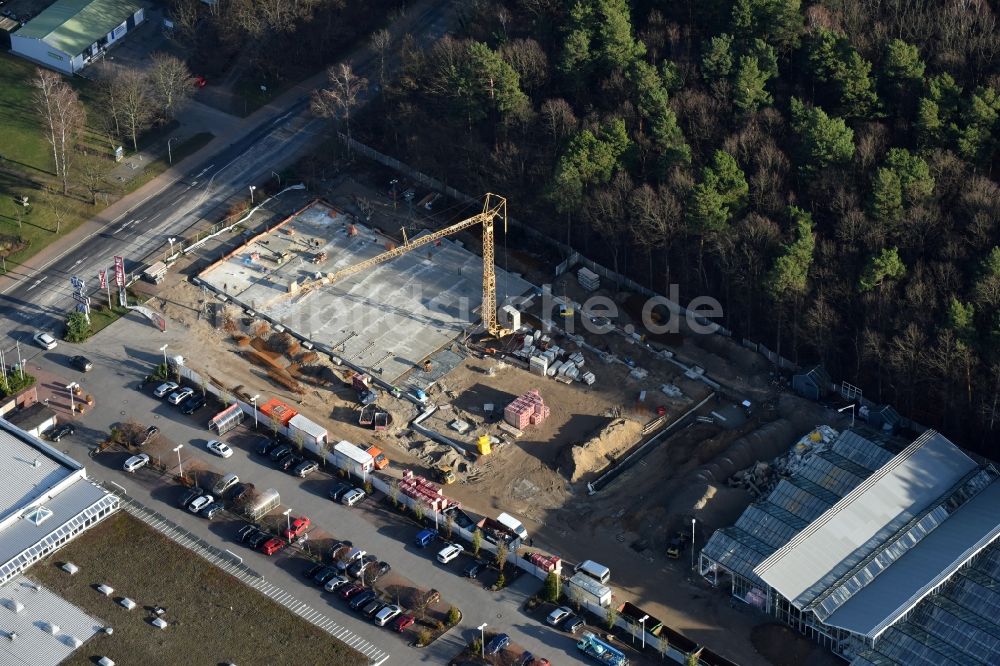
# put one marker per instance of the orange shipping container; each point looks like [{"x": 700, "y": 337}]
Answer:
[{"x": 275, "y": 409}]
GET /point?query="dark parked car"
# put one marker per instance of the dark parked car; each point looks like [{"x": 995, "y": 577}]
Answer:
[
  {"x": 373, "y": 607},
  {"x": 190, "y": 496},
  {"x": 312, "y": 569},
  {"x": 474, "y": 569},
  {"x": 573, "y": 624},
  {"x": 82, "y": 363},
  {"x": 325, "y": 574},
  {"x": 362, "y": 599},
  {"x": 338, "y": 491},
  {"x": 259, "y": 539},
  {"x": 497, "y": 643},
  {"x": 280, "y": 452},
  {"x": 246, "y": 532},
  {"x": 265, "y": 445},
  {"x": 193, "y": 404},
  {"x": 212, "y": 510},
  {"x": 147, "y": 436},
  {"x": 241, "y": 491},
  {"x": 354, "y": 571},
  {"x": 376, "y": 571},
  {"x": 289, "y": 461},
  {"x": 57, "y": 432}
]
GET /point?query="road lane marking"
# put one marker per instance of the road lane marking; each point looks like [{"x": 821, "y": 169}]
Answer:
[{"x": 37, "y": 282}]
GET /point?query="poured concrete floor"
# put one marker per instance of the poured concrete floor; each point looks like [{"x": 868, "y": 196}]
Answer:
[{"x": 389, "y": 317}]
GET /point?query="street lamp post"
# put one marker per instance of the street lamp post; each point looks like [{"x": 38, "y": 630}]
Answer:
[
  {"x": 171, "y": 240},
  {"x": 482, "y": 638},
  {"x": 642, "y": 626},
  {"x": 692, "y": 542},
  {"x": 252, "y": 188},
  {"x": 180, "y": 469},
  {"x": 170, "y": 153},
  {"x": 288, "y": 520},
  {"x": 164, "y": 350},
  {"x": 254, "y": 401},
  {"x": 69, "y": 388},
  {"x": 850, "y": 407}
]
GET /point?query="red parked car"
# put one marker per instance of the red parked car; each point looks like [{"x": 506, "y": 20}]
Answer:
[
  {"x": 403, "y": 622},
  {"x": 298, "y": 527},
  {"x": 272, "y": 546},
  {"x": 350, "y": 591}
]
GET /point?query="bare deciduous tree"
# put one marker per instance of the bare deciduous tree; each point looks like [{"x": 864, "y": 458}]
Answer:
[
  {"x": 171, "y": 83},
  {"x": 64, "y": 118},
  {"x": 558, "y": 117},
  {"x": 134, "y": 102},
  {"x": 381, "y": 41},
  {"x": 185, "y": 15},
  {"x": 341, "y": 97}
]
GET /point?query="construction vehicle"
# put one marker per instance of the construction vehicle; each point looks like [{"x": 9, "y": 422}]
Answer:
[
  {"x": 494, "y": 206},
  {"x": 378, "y": 458},
  {"x": 601, "y": 652},
  {"x": 444, "y": 474}
]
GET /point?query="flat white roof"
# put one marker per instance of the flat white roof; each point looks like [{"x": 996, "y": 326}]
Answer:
[
  {"x": 40, "y": 608},
  {"x": 311, "y": 428},
  {"x": 29, "y": 469},
  {"x": 865, "y": 518}
]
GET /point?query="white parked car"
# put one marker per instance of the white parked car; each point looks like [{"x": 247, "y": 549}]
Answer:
[
  {"x": 336, "y": 583},
  {"x": 219, "y": 448},
  {"x": 177, "y": 397},
  {"x": 556, "y": 617},
  {"x": 45, "y": 341},
  {"x": 164, "y": 389},
  {"x": 387, "y": 615},
  {"x": 448, "y": 553},
  {"x": 352, "y": 497},
  {"x": 135, "y": 462},
  {"x": 200, "y": 503}
]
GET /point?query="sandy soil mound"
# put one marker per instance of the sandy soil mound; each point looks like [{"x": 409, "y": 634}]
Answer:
[{"x": 587, "y": 459}]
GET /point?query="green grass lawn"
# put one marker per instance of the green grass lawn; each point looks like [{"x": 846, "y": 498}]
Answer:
[{"x": 26, "y": 167}]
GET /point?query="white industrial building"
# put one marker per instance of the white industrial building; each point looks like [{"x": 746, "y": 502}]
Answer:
[
  {"x": 887, "y": 557},
  {"x": 46, "y": 499},
  {"x": 69, "y": 34}
]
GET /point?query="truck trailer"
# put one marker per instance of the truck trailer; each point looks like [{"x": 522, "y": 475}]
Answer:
[
  {"x": 584, "y": 588},
  {"x": 601, "y": 652},
  {"x": 355, "y": 460}
]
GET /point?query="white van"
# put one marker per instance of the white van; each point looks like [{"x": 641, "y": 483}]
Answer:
[
  {"x": 514, "y": 525},
  {"x": 225, "y": 483},
  {"x": 597, "y": 571}
]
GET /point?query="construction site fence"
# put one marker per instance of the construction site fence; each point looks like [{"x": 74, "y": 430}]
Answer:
[{"x": 573, "y": 257}]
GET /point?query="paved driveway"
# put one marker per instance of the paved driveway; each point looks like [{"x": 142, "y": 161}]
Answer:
[{"x": 125, "y": 352}]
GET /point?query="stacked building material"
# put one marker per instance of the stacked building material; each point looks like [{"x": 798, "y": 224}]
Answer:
[
  {"x": 546, "y": 562},
  {"x": 588, "y": 378},
  {"x": 538, "y": 365},
  {"x": 528, "y": 409},
  {"x": 422, "y": 490},
  {"x": 588, "y": 279}
]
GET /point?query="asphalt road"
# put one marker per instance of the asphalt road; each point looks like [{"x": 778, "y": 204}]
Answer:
[{"x": 124, "y": 353}]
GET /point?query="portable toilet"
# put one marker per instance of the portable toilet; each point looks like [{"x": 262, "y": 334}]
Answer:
[{"x": 484, "y": 445}]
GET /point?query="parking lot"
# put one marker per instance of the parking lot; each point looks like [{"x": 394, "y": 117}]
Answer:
[{"x": 125, "y": 353}]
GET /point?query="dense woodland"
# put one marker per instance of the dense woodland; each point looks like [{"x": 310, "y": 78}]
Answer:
[{"x": 825, "y": 169}]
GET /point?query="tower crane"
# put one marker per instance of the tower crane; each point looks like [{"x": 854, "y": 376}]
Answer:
[{"x": 494, "y": 206}]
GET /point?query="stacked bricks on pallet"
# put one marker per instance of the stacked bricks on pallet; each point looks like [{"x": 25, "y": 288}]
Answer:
[
  {"x": 424, "y": 491},
  {"x": 528, "y": 409},
  {"x": 588, "y": 279}
]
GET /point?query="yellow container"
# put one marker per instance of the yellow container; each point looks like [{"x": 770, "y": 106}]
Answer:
[{"x": 484, "y": 445}]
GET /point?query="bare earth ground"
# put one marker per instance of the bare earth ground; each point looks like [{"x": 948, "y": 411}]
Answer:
[
  {"x": 626, "y": 525},
  {"x": 213, "y": 617}
]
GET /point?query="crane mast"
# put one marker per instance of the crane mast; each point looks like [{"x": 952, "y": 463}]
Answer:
[{"x": 494, "y": 206}]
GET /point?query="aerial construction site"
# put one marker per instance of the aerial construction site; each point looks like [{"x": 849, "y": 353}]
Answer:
[{"x": 593, "y": 432}]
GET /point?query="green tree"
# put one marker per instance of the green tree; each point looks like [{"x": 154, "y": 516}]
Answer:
[
  {"x": 788, "y": 280},
  {"x": 590, "y": 159},
  {"x": 902, "y": 65},
  {"x": 767, "y": 59},
  {"x": 887, "y": 196},
  {"x": 915, "y": 177},
  {"x": 717, "y": 59},
  {"x": 618, "y": 48},
  {"x": 886, "y": 265},
  {"x": 477, "y": 542},
  {"x": 499, "y": 83},
  {"x": 977, "y": 140},
  {"x": 749, "y": 93},
  {"x": 454, "y": 616},
  {"x": 726, "y": 177},
  {"x": 825, "y": 140},
  {"x": 611, "y": 617},
  {"x": 501, "y": 555},
  {"x": 77, "y": 327},
  {"x": 550, "y": 590},
  {"x": 928, "y": 122},
  {"x": 668, "y": 138},
  {"x": 707, "y": 212},
  {"x": 833, "y": 60},
  {"x": 961, "y": 319},
  {"x": 777, "y": 22}
]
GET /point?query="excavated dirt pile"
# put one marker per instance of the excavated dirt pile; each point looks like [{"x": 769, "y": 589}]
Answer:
[{"x": 585, "y": 461}]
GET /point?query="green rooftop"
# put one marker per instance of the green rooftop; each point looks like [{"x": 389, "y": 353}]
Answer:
[{"x": 73, "y": 25}]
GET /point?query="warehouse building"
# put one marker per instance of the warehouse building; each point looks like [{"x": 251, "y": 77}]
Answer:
[
  {"x": 70, "y": 34},
  {"x": 46, "y": 500},
  {"x": 886, "y": 558}
]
